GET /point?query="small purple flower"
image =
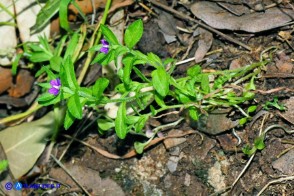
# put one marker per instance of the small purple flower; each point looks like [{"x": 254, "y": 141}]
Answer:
[
  {"x": 105, "y": 46},
  {"x": 149, "y": 133},
  {"x": 55, "y": 86}
]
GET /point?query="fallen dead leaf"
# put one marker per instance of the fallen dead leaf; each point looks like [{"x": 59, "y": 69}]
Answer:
[
  {"x": 219, "y": 18},
  {"x": 289, "y": 113},
  {"x": 87, "y": 7},
  {"x": 87, "y": 178},
  {"x": 204, "y": 44},
  {"x": 24, "y": 82},
  {"x": 5, "y": 78}
]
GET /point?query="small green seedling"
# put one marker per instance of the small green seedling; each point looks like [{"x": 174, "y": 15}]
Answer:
[
  {"x": 274, "y": 104},
  {"x": 257, "y": 145}
]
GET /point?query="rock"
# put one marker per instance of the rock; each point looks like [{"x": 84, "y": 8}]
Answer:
[
  {"x": 215, "y": 123},
  {"x": 285, "y": 164}
]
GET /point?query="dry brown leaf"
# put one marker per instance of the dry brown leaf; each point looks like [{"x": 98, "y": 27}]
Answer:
[
  {"x": 87, "y": 8},
  {"x": 5, "y": 78},
  {"x": 218, "y": 18},
  {"x": 204, "y": 44},
  {"x": 88, "y": 178},
  {"x": 24, "y": 82}
]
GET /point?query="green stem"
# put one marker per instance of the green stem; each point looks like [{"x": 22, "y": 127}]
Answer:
[
  {"x": 33, "y": 108},
  {"x": 94, "y": 42}
]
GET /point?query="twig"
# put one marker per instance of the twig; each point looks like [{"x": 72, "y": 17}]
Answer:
[
  {"x": 188, "y": 18},
  {"x": 68, "y": 173},
  {"x": 248, "y": 162},
  {"x": 31, "y": 110},
  {"x": 275, "y": 181},
  {"x": 76, "y": 134}
]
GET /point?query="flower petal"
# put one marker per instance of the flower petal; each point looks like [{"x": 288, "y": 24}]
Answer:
[
  {"x": 104, "y": 42},
  {"x": 104, "y": 50},
  {"x": 53, "y": 91},
  {"x": 55, "y": 82}
]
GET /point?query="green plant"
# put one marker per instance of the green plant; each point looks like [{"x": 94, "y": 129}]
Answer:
[
  {"x": 274, "y": 104},
  {"x": 3, "y": 165},
  {"x": 138, "y": 100},
  {"x": 259, "y": 141}
]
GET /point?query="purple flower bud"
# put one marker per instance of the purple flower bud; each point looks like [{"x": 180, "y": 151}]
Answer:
[
  {"x": 149, "y": 133},
  {"x": 105, "y": 46},
  {"x": 55, "y": 86}
]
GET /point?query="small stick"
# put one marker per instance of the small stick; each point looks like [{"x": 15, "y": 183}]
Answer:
[
  {"x": 188, "y": 18},
  {"x": 68, "y": 173},
  {"x": 275, "y": 181}
]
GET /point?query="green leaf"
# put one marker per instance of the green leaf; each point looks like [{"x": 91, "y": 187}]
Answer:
[
  {"x": 49, "y": 99},
  {"x": 154, "y": 60},
  {"x": 60, "y": 45},
  {"x": 121, "y": 50},
  {"x": 104, "y": 59},
  {"x": 133, "y": 33},
  {"x": 105, "y": 125},
  {"x": 205, "y": 84},
  {"x": 63, "y": 8},
  {"x": 160, "y": 81},
  {"x": 44, "y": 85},
  {"x": 55, "y": 63},
  {"x": 86, "y": 93},
  {"x": 141, "y": 123},
  {"x": 45, "y": 14},
  {"x": 242, "y": 121},
  {"x": 275, "y": 103},
  {"x": 194, "y": 71},
  {"x": 251, "y": 85},
  {"x": 3, "y": 165},
  {"x": 259, "y": 142},
  {"x": 251, "y": 109},
  {"x": 153, "y": 110},
  {"x": 15, "y": 63},
  {"x": 68, "y": 76},
  {"x": 75, "y": 107},
  {"x": 159, "y": 100},
  {"x": 99, "y": 87},
  {"x": 39, "y": 57},
  {"x": 45, "y": 44},
  {"x": 72, "y": 45},
  {"x": 141, "y": 75},
  {"x": 139, "y": 147},
  {"x": 109, "y": 36},
  {"x": 68, "y": 120},
  {"x": 130, "y": 120},
  {"x": 128, "y": 62},
  {"x": 248, "y": 150},
  {"x": 120, "y": 121},
  {"x": 194, "y": 114},
  {"x": 26, "y": 142}
]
